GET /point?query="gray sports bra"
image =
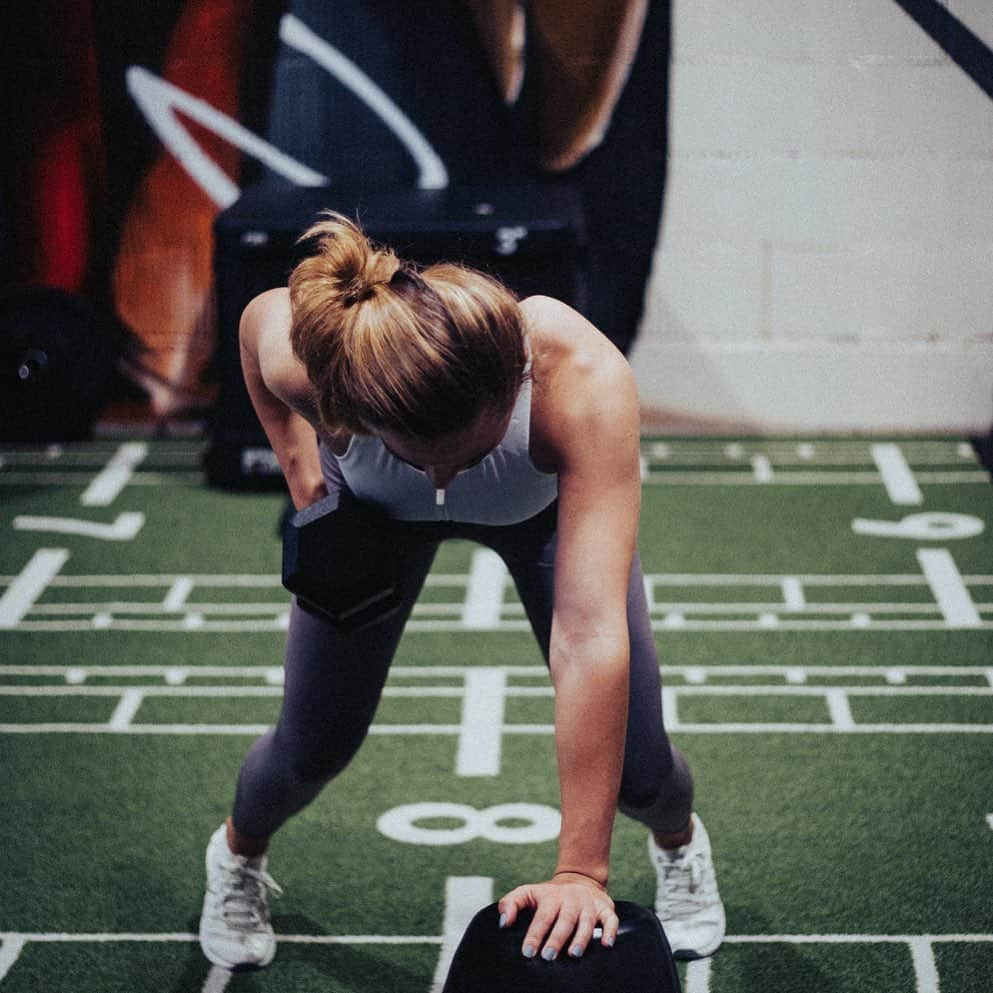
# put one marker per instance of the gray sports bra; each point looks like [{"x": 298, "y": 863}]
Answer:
[{"x": 504, "y": 488}]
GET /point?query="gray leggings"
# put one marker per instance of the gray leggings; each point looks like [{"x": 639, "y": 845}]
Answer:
[{"x": 333, "y": 682}]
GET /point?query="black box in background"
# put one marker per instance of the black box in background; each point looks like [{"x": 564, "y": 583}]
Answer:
[{"x": 531, "y": 236}]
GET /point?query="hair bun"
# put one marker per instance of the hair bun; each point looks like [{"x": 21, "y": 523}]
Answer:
[
  {"x": 346, "y": 258},
  {"x": 378, "y": 268}
]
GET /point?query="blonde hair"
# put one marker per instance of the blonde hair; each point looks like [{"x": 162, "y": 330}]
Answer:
[{"x": 391, "y": 347}]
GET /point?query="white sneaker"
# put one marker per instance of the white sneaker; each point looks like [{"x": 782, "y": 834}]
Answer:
[
  {"x": 686, "y": 899},
  {"x": 234, "y": 926}
]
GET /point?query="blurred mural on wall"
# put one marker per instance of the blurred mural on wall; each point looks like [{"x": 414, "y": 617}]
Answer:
[{"x": 134, "y": 125}]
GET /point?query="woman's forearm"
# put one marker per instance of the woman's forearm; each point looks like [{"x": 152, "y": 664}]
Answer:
[{"x": 591, "y": 692}]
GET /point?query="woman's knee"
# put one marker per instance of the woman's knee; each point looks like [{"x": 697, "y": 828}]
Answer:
[
  {"x": 317, "y": 758},
  {"x": 661, "y": 796},
  {"x": 642, "y": 787}
]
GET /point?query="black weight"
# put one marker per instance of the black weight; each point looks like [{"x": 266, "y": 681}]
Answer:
[
  {"x": 489, "y": 960},
  {"x": 340, "y": 563},
  {"x": 57, "y": 360}
]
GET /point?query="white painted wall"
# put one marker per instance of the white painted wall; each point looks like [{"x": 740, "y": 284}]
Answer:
[{"x": 826, "y": 254}]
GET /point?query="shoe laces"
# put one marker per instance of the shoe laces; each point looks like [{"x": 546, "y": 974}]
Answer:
[
  {"x": 683, "y": 882},
  {"x": 244, "y": 893}
]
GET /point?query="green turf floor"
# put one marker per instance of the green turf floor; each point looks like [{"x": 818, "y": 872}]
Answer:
[{"x": 824, "y": 614}]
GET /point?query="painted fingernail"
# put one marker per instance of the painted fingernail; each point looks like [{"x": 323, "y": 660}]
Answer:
[
  {"x": 549, "y": 954},
  {"x": 529, "y": 951},
  {"x": 503, "y": 920},
  {"x": 609, "y": 942},
  {"x": 576, "y": 952}
]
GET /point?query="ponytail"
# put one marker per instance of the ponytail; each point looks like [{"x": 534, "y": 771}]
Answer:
[{"x": 390, "y": 347}]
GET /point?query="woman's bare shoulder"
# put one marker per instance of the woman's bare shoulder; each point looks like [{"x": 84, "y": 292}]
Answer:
[
  {"x": 265, "y": 336},
  {"x": 267, "y": 318},
  {"x": 566, "y": 349},
  {"x": 583, "y": 386}
]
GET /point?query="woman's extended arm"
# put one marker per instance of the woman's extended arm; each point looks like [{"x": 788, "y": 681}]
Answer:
[
  {"x": 591, "y": 423},
  {"x": 278, "y": 387}
]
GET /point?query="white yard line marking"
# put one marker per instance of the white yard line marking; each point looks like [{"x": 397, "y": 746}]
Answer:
[
  {"x": 762, "y": 469},
  {"x": 124, "y": 528},
  {"x": 925, "y": 968},
  {"x": 867, "y": 729},
  {"x": 896, "y": 474},
  {"x": 674, "y": 621},
  {"x": 217, "y": 979},
  {"x": 178, "y": 593},
  {"x": 775, "y": 579},
  {"x": 270, "y": 674},
  {"x": 948, "y": 588},
  {"x": 453, "y": 730},
  {"x": 124, "y": 712},
  {"x": 482, "y": 723},
  {"x": 33, "y": 478},
  {"x": 698, "y": 976},
  {"x": 484, "y": 895},
  {"x": 486, "y": 690},
  {"x": 670, "y": 709},
  {"x": 839, "y": 709},
  {"x": 793, "y": 595},
  {"x": 29, "y": 584},
  {"x": 649, "y": 588},
  {"x": 11, "y": 946},
  {"x": 757, "y": 607},
  {"x": 856, "y": 939},
  {"x": 95, "y": 938},
  {"x": 107, "y": 485},
  {"x": 484, "y": 592},
  {"x": 457, "y": 581},
  {"x": 441, "y": 611},
  {"x": 725, "y": 477},
  {"x": 464, "y": 897}
]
